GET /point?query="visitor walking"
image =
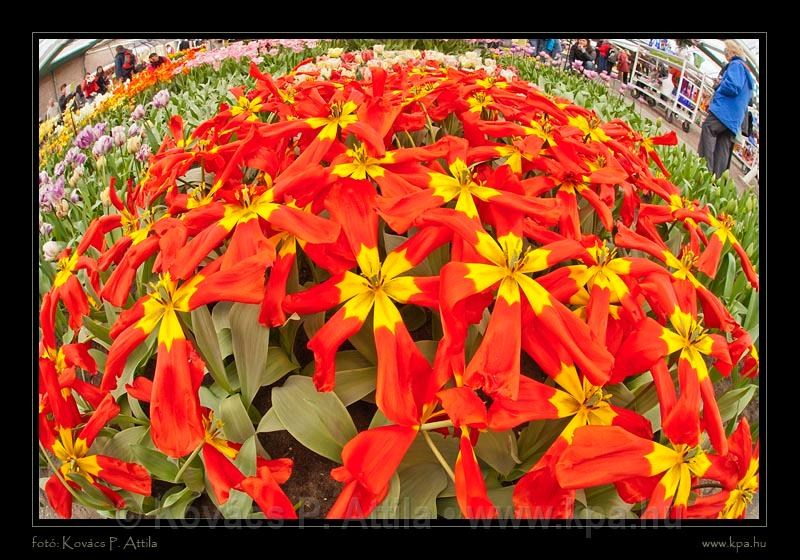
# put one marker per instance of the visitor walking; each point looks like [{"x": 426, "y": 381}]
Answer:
[
  {"x": 78, "y": 98},
  {"x": 124, "y": 63},
  {"x": 602, "y": 54},
  {"x": 64, "y": 98},
  {"x": 726, "y": 111},
  {"x": 624, "y": 66},
  {"x": 553, "y": 48},
  {"x": 101, "y": 80},
  {"x": 52, "y": 109}
]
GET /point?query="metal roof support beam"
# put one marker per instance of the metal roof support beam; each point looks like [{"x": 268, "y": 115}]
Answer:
[{"x": 55, "y": 48}]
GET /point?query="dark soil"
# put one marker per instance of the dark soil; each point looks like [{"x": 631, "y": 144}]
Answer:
[
  {"x": 311, "y": 480},
  {"x": 362, "y": 412}
]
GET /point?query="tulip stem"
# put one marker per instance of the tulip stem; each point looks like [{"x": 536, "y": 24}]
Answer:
[
  {"x": 71, "y": 225},
  {"x": 132, "y": 420},
  {"x": 189, "y": 460},
  {"x": 429, "y": 124},
  {"x": 410, "y": 139},
  {"x": 438, "y": 456},
  {"x": 436, "y": 425}
]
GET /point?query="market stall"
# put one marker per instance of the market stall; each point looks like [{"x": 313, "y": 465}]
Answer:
[{"x": 669, "y": 83}]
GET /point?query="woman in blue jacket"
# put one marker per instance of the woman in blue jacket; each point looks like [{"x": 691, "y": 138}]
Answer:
[{"x": 726, "y": 112}]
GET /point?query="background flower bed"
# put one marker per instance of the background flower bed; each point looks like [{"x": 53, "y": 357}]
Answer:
[{"x": 195, "y": 109}]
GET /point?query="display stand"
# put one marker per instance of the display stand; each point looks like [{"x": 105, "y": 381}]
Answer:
[{"x": 681, "y": 104}]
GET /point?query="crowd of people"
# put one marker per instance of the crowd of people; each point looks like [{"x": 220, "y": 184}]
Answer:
[
  {"x": 726, "y": 112},
  {"x": 101, "y": 80},
  {"x": 601, "y": 57},
  {"x": 727, "y": 108}
]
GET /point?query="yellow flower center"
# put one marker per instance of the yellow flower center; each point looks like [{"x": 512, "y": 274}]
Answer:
[
  {"x": 688, "y": 259},
  {"x": 164, "y": 290},
  {"x": 692, "y": 333},
  {"x": 72, "y": 454},
  {"x": 362, "y": 161},
  {"x": 726, "y": 223},
  {"x": 287, "y": 95},
  {"x": 213, "y": 436},
  {"x": 64, "y": 269},
  {"x": 243, "y": 196}
]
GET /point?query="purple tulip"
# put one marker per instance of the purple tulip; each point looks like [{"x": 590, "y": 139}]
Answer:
[
  {"x": 59, "y": 169},
  {"x": 50, "y": 194},
  {"x": 58, "y": 188},
  {"x": 99, "y": 129},
  {"x": 75, "y": 196},
  {"x": 160, "y": 99},
  {"x": 119, "y": 136},
  {"x": 43, "y": 177},
  {"x": 45, "y": 228},
  {"x": 137, "y": 113},
  {"x": 143, "y": 153},
  {"x": 102, "y": 146},
  {"x": 72, "y": 154},
  {"x": 135, "y": 129},
  {"x": 44, "y": 201},
  {"x": 84, "y": 138}
]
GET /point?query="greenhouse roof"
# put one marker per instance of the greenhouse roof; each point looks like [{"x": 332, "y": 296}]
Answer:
[{"x": 55, "y": 52}]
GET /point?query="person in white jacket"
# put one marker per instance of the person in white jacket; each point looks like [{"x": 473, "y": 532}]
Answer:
[{"x": 52, "y": 110}]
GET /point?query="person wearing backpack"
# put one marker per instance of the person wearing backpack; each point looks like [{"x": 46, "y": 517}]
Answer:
[
  {"x": 124, "y": 63},
  {"x": 613, "y": 55},
  {"x": 726, "y": 112}
]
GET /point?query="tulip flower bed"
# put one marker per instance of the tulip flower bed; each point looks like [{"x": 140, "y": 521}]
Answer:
[
  {"x": 73, "y": 183},
  {"x": 686, "y": 170},
  {"x": 54, "y": 140},
  {"x": 509, "y": 299}
]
